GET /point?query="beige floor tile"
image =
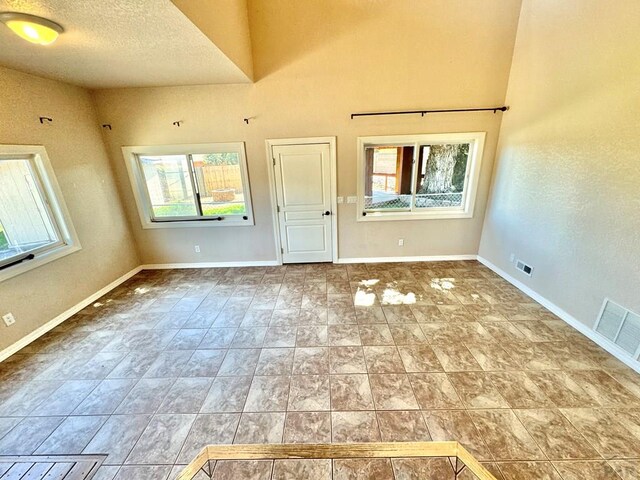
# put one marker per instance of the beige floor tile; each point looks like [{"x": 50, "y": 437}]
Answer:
[
  {"x": 531, "y": 356},
  {"x": 392, "y": 392},
  {"x": 407, "y": 334},
  {"x": 581, "y": 470},
  {"x": 208, "y": 430},
  {"x": 456, "y": 425},
  {"x": 302, "y": 469},
  {"x": 245, "y": 469},
  {"x": 567, "y": 355},
  {"x": 309, "y": 393},
  {"x": 434, "y": 391},
  {"x": 363, "y": 469},
  {"x": 348, "y": 427},
  {"x": 608, "y": 435},
  {"x": 399, "y": 314},
  {"x": 505, "y": 436},
  {"x": 162, "y": 440},
  {"x": 606, "y": 391},
  {"x": 240, "y": 361},
  {"x": 375, "y": 334},
  {"x": 280, "y": 337},
  {"x": 186, "y": 395},
  {"x": 146, "y": 396},
  {"x": 403, "y": 426},
  {"x": 344, "y": 335},
  {"x": 492, "y": 357},
  {"x": 227, "y": 394},
  {"x": 307, "y": 427},
  {"x": 268, "y": 394},
  {"x": 311, "y": 361},
  {"x": 383, "y": 360},
  {"x": 555, "y": 435},
  {"x": 626, "y": 469},
  {"x": 369, "y": 315},
  {"x": 117, "y": 437},
  {"x": 351, "y": 392},
  {"x": 260, "y": 428},
  {"x": 417, "y": 468},
  {"x": 519, "y": 390},
  {"x": 476, "y": 390},
  {"x": 561, "y": 389},
  {"x": 537, "y": 331},
  {"x": 525, "y": 470},
  {"x": 72, "y": 436},
  {"x": 347, "y": 360},
  {"x": 341, "y": 316},
  {"x": 204, "y": 363},
  {"x": 275, "y": 361},
  {"x": 312, "y": 336},
  {"x": 427, "y": 313},
  {"x": 455, "y": 357}
]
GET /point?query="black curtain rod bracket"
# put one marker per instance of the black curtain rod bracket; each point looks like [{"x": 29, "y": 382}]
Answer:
[{"x": 425, "y": 112}]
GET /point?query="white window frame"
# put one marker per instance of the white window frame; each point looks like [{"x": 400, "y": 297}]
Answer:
[
  {"x": 51, "y": 194},
  {"x": 472, "y": 176},
  {"x": 141, "y": 194}
]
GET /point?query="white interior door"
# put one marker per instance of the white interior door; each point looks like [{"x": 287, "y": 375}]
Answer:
[{"x": 303, "y": 190}]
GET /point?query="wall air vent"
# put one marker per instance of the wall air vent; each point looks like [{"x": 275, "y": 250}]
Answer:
[
  {"x": 620, "y": 326},
  {"x": 524, "y": 268}
]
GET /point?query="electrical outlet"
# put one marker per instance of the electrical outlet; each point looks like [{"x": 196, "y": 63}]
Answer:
[
  {"x": 401, "y": 242},
  {"x": 197, "y": 248},
  {"x": 512, "y": 257},
  {"x": 9, "y": 319},
  {"x": 340, "y": 200}
]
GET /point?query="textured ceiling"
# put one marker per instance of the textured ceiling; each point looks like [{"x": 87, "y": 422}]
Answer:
[{"x": 118, "y": 43}]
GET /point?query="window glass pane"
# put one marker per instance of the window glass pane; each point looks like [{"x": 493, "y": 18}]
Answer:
[
  {"x": 25, "y": 223},
  {"x": 441, "y": 175},
  {"x": 220, "y": 184},
  {"x": 388, "y": 178},
  {"x": 169, "y": 185}
]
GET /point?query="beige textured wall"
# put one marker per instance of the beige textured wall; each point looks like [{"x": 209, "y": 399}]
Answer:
[
  {"x": 84, "y": 173},
  {"x": 226, "y": 23},
  {"x": 317, "y": 62},
  {"x": 565, "y": 194}
]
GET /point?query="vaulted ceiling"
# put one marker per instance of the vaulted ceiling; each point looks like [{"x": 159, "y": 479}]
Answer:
[{"x": 118, "y": 43}]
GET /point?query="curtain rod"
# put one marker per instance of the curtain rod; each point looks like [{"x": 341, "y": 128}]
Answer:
[{"x": 424, "y": 112}]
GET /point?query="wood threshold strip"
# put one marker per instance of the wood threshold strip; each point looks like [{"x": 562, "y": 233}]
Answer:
[{"x": 335, "y": 451}]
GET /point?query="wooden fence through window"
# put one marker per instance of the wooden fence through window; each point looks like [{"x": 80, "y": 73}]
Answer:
[{"x": 219, "y": 177}]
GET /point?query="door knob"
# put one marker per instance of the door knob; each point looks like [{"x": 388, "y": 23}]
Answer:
[{"x": 326, "y": 213}]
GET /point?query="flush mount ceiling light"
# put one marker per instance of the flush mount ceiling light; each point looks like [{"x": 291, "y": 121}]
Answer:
[{"x": 31, "y": 28}]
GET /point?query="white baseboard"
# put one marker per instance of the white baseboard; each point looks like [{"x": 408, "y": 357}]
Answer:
[
  {"x": 38, "y": 332},
  {"x": 432, "y": 258},
  {"x": 583, "y": 328},
  {"x": 167, "y": 266}
]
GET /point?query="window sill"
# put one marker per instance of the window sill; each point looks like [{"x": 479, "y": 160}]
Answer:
[
  {"x": 395, "y": 216},
  {"x": 148, "y": 225},
  {"x": 40, "y": 260}
]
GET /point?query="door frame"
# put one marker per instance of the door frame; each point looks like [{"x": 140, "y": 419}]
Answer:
[{"x": 331, "y": 141}]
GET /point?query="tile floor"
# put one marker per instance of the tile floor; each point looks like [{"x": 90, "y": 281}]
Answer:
[{"x": 176, "y": 359}]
